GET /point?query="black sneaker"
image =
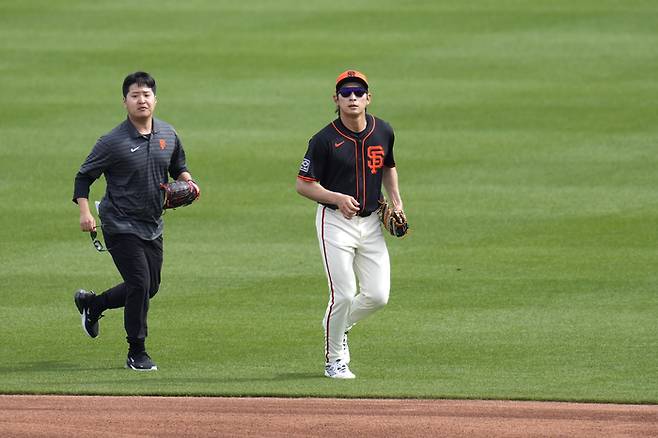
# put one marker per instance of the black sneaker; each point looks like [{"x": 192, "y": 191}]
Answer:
[
  {"x": 82, "y": 299},
  {"x": 140, "y": 362}
]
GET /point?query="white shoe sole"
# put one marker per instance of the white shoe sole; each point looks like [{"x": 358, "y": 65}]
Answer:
[
  {"x": 340, "y": 376},
  {"x": 155, "y": 368}
]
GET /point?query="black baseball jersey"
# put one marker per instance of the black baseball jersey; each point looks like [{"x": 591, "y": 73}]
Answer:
[
  {"x": 134, "y": 166},
  {"x": 350, "y": 163}
]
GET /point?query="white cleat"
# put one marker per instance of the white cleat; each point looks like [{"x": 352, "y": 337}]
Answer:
[{"x": 338, "y": 370}]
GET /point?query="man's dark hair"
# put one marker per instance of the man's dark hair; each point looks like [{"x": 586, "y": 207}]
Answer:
[{"x": 140, "y": 78}]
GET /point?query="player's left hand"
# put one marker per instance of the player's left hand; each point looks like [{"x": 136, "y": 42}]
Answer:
[
  {"x": 180, "y": 193},
  {"x": 394, "y": 220}
]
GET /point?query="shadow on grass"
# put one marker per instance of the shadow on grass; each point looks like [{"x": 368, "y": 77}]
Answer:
[
  {"x": 56, "y": 366},
  {"x": 298, "y": 376},
  {"x": 45, "y": 366},
  {"x": 162, "y": 375}
]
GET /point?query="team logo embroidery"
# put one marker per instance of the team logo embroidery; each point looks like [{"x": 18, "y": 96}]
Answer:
[
  {"x": 306, "y": 163},
  {"x": 375, "y": 158},
  {"x": 163, "y": 143}
]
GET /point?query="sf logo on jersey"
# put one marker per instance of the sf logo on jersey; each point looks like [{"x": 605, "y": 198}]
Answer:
[{"x": 375, "y": 158}]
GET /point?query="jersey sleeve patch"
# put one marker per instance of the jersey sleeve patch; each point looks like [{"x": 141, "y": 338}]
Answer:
[{"x": 305, "y": 166}]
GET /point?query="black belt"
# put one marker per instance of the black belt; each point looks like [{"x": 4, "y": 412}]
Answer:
[{"x": 362, "y": 214}]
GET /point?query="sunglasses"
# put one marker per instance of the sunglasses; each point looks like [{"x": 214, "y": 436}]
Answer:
[
  {"x": 347, "y": 91},
  {"x": 97, "y": 243}
]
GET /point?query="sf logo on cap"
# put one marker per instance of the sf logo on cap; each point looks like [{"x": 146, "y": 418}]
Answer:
[{"x": 351, "y": 73}]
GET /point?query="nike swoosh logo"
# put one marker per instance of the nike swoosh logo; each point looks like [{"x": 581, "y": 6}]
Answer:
[
  {"x": 134, "y": 149},
  {"x": 339, "y": 144}
]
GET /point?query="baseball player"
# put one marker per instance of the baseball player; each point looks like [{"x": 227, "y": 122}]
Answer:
[
  {"x": 135, "y": 158},
  {"x": 343, "y": 170}
]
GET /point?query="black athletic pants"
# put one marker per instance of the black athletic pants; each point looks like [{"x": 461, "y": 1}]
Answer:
[{"x": 139, "y": 262}]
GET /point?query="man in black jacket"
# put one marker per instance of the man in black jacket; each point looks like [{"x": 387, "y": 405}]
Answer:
[{"x": 135, "y": 158}]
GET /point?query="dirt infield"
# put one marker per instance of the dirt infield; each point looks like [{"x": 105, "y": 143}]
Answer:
[{"x": 69, "y": 416}]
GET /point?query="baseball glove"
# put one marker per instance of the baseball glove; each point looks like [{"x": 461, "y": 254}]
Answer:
[
  {"x": 394, "y": 221},
  {"x": 179, "y": 193}
]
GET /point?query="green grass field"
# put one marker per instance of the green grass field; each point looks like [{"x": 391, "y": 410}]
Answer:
[{"x": 526, "y": 146}]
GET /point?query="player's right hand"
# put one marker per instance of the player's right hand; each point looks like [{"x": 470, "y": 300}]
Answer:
[
  {"x": 87, "y": 222},
  {"x": 347, "y": 205}
]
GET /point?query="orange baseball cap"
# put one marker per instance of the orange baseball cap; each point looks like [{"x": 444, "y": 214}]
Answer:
[{"x": 351, "y": 76}]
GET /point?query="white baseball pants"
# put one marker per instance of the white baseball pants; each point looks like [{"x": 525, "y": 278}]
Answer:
[{"x": 351, "y": 250}]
